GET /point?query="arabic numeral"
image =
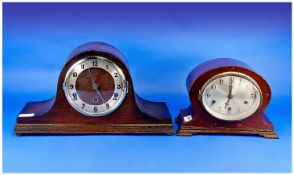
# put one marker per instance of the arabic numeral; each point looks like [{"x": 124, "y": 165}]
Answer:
[
  {"x": 115, "y": 96},
  {"x": 74, "y": 95},
  {"x": 231, "y": 80},
  {"x": 212, "y": 103},
  {"x": 221, "y": 82},
  {"x": 74, "y": 74},
  {"x": 252, "y": 96},
  {"x": 71, "y": 86},
  {"x": 238, "y": 109},
  {"x": 107, "y": 106},
  {"x": 115, "y": 74},
  {"x": 95, "y": 109},
  {"x": 95, "y": 63}
]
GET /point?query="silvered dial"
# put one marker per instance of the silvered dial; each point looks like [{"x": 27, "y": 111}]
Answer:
[
  {"x": 95, "y": 86},
  {"x": 231, "y": 96}
]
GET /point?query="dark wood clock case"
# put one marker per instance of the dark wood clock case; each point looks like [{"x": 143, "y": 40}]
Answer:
[
  {"x": 195, "y": 119},
  {"x": 56, "y": 116}
]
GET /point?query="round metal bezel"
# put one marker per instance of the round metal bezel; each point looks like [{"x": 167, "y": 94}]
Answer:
[
  {"x": 224, "y": 117},
  {"x": 98, "y": 114}
]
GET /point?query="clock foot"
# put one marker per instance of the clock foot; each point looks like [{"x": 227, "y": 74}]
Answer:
[
  {"x": 270, "y": 136},
  {"x": 188, "y": 131},
  {"x": 184, "y": 134}
]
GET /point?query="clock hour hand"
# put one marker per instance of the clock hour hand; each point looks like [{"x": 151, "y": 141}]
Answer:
[
  {"x": 95, "y": 86},
  {"x": 227, "y": 103}
]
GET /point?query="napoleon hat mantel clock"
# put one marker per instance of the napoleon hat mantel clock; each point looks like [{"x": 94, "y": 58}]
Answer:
[
  {"x": 227, "y": 97},
  {"x": 95, "y": 95}
]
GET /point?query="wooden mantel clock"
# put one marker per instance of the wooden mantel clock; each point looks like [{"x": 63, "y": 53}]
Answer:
[
  {"x": 95, "y": 95},
  {"x": 227, "y": 97}
]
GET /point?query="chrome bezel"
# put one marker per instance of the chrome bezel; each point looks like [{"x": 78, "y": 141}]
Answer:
[
  {"x": 224, "y": 117},
  {"x": 98, "y": 114}
]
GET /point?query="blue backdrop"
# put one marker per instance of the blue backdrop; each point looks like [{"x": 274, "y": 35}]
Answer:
[{"x": 162, "y": 42}]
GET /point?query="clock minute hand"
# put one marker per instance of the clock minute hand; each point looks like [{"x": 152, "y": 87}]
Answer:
[
  {"x": 95, "y": 86},
  {"x": 230, "y": 95},
  {"x": 99, "y": 93}
]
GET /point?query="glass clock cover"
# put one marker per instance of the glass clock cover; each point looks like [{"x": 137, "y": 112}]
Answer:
[
  {"x": 231, "y": 96},
  {"x": 95, "y": 86}
]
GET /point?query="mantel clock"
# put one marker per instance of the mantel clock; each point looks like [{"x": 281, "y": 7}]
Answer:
[
  {"x": 95, "y": 95},
  {"x": 227, "y": 97}
]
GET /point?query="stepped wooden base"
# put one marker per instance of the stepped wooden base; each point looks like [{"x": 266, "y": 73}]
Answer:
[
  {"x": 189, "y": 131},
  {"x": 128, "y": 119},
  {"x": 55, "y": 129}
]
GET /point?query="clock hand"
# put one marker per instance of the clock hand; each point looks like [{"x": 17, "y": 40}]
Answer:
[
  {"x": 98, "y": 92},
  {"x": 227, "y": 103},
  {"x": 230, "y": 96},
  {"x": 95, "y": 86}
]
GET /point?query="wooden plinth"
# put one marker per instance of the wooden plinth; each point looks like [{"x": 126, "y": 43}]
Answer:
[
  {"x": 53, "y": 129},
  {"x": 189, "y": 131}
]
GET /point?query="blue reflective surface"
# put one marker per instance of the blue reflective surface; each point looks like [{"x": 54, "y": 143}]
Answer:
[{"x": 162, "y": 42}]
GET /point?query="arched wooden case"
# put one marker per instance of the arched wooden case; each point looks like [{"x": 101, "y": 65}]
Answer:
[
  {"x": 196, "y": 120},
  {"x": 56, "y": 116}
]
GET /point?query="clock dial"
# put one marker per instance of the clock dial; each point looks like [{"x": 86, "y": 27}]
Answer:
[
  {"x": 95, "y": 86},
  {"x": 231, "y": 96}
]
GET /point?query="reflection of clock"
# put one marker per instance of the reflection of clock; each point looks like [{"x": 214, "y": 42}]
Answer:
[
  {"x": 95, "y": 95},
  {"x": 95, "y": 86},
  {"x": 227, "y": 97}
]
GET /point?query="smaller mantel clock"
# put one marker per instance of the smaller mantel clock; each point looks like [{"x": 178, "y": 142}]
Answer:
[
  {"x": 227, "y": 97},
  {"x": 95, "y": 95}
]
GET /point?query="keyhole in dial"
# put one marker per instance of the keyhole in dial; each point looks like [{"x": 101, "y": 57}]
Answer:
[{"x": 95, "y": 99}]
